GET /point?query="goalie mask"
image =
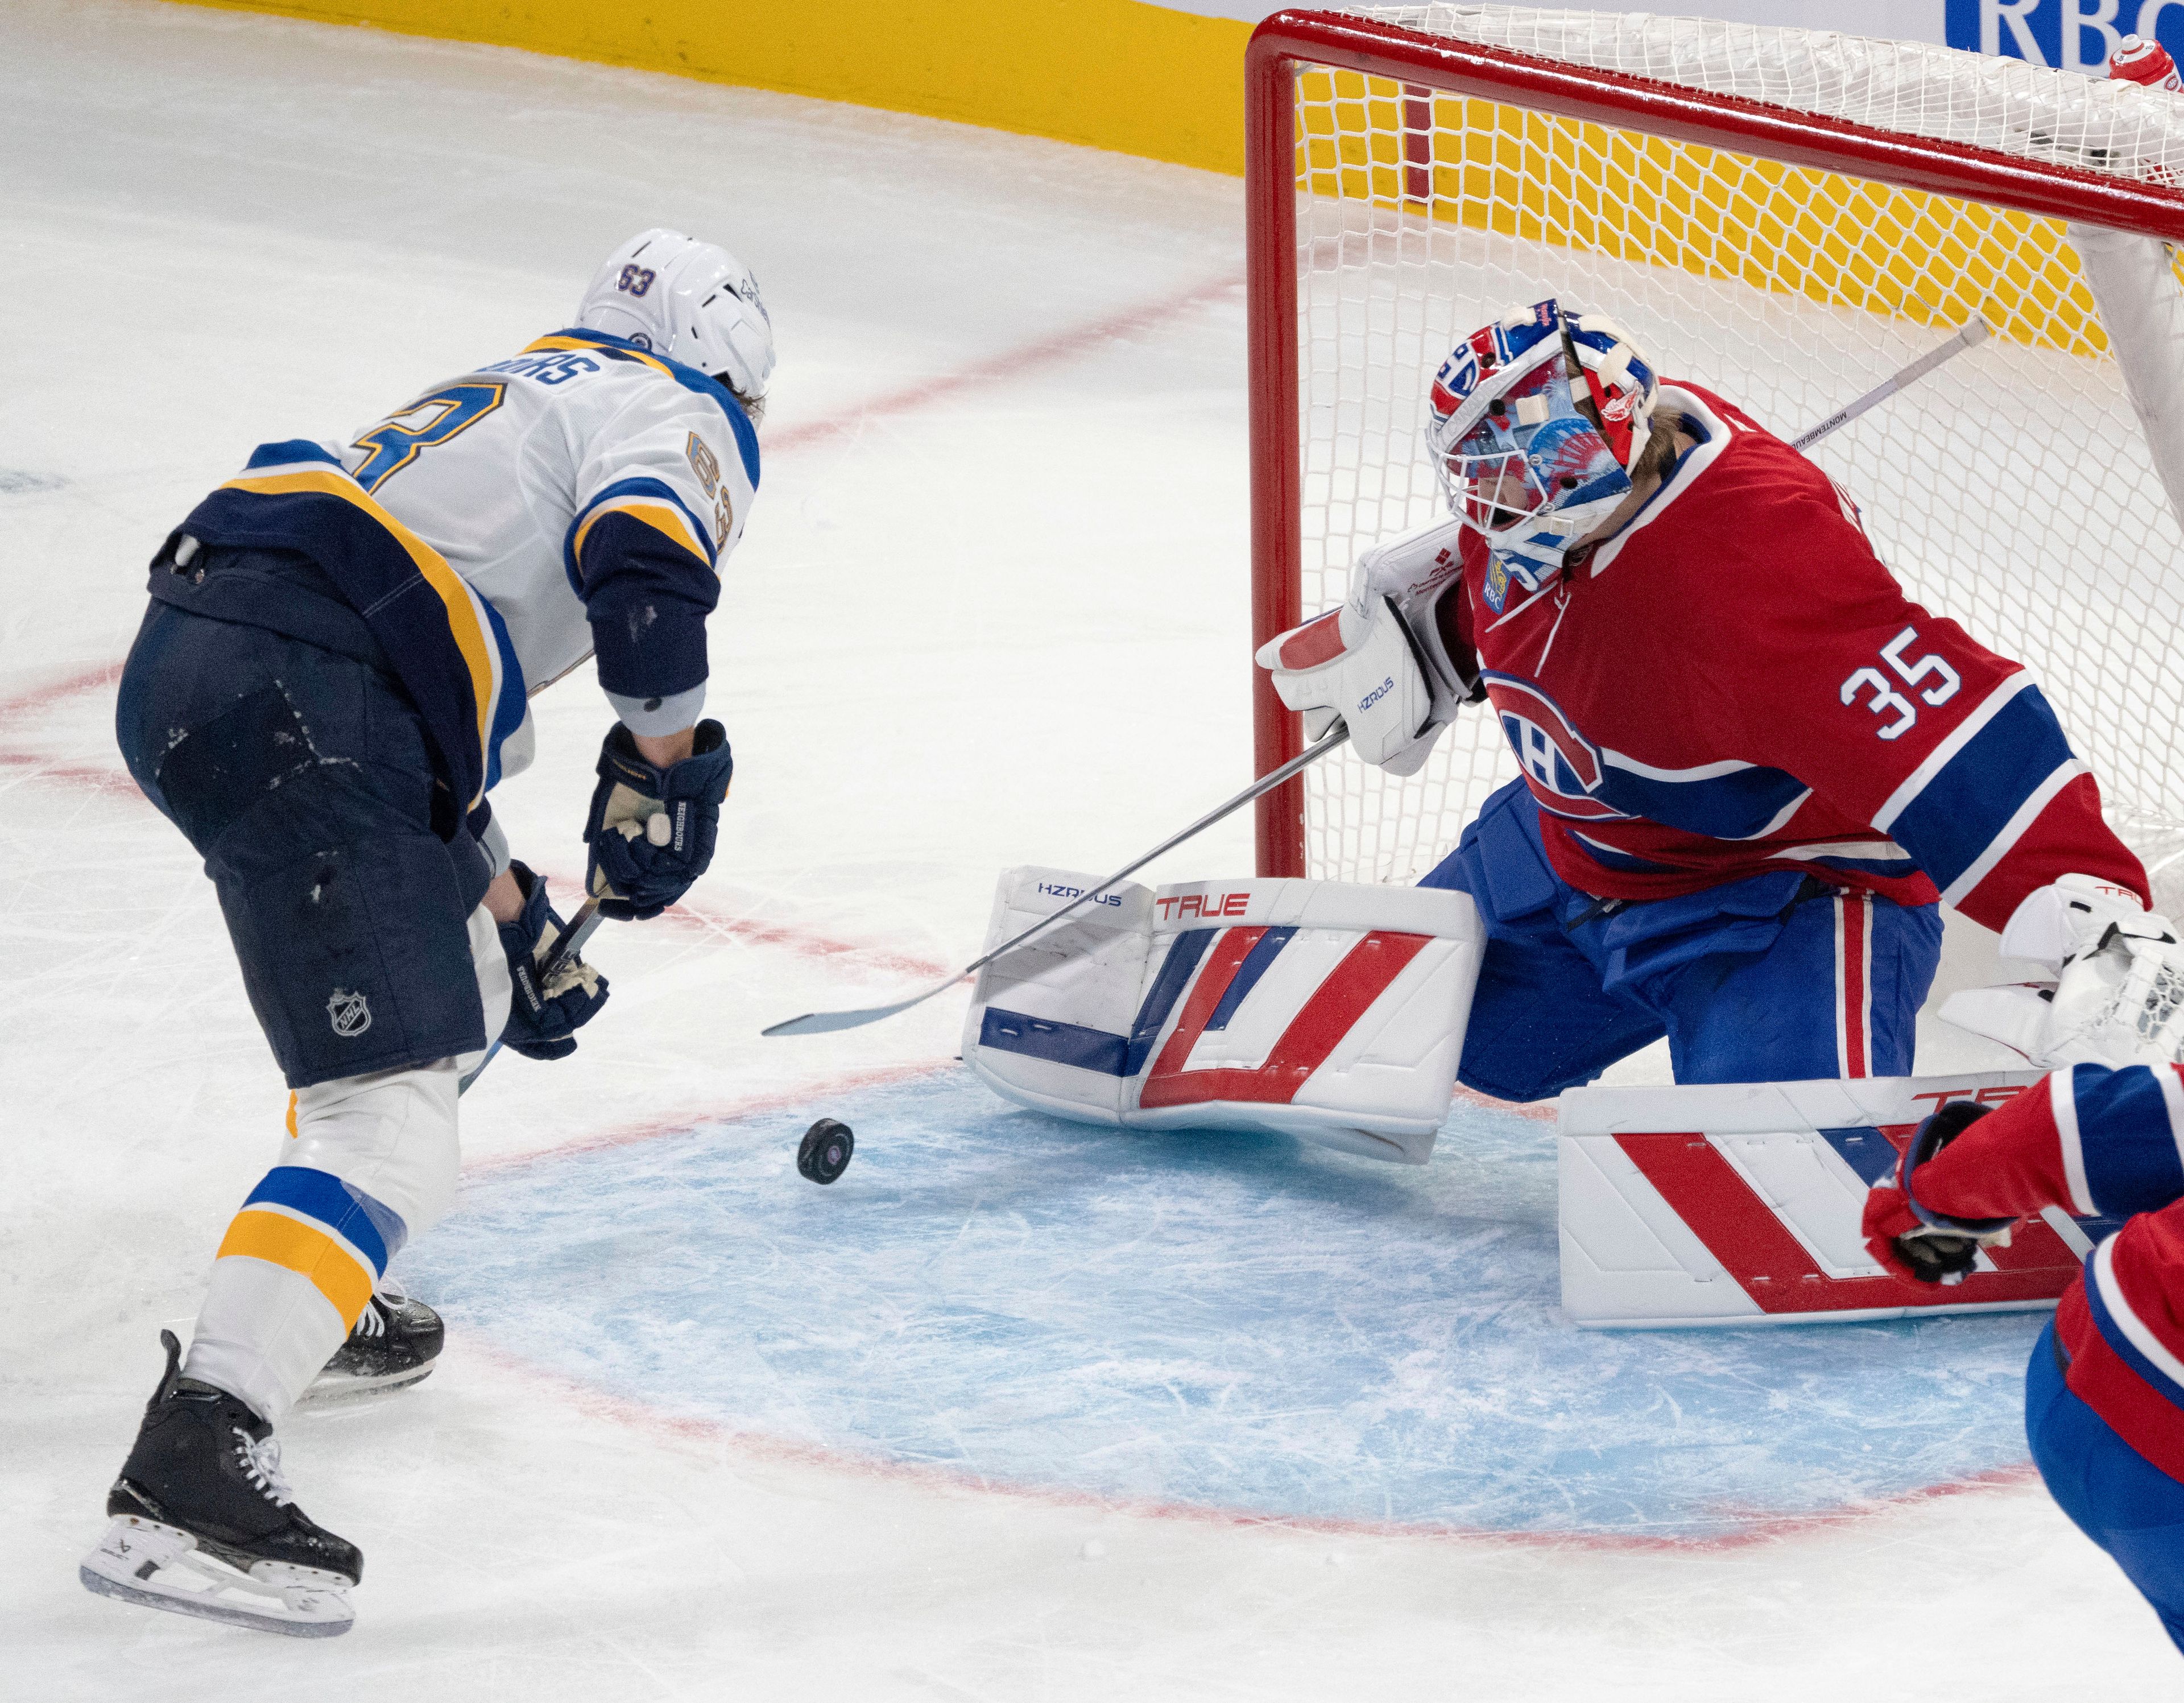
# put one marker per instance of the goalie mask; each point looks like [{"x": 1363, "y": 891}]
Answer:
[
  {"x": 691, "y": 301},
  {"x": 1517, "y": 462}
]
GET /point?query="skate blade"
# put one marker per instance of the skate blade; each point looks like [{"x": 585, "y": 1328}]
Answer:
[
  {"x": 333, "y": 1386},
  {"x": 160, "y": 1566}
]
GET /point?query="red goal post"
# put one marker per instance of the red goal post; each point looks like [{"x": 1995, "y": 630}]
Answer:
[{"x": 1417, "y": 138}]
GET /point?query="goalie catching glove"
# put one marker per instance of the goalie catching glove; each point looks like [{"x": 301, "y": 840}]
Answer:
[
  {"x": 651, "y": 829},
  {"x": 545, "y": 1013},
  {"x": 2118, "y": 995},
  {"x": 1378, "y": 664}
]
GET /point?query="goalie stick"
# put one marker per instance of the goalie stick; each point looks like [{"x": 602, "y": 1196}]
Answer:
[
  {"x": 1975, "y": 331},
  {"x": 826, "y": 1022}
]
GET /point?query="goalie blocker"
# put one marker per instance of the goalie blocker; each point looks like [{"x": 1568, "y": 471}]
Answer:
[{"x": 1332, "y": 1012}]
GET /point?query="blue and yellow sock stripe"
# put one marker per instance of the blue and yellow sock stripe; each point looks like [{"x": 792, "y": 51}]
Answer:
[{"x": 312, "y": 1223}]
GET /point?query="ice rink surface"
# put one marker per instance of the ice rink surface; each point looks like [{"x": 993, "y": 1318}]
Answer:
[{"x": 1016, "y": 1410}]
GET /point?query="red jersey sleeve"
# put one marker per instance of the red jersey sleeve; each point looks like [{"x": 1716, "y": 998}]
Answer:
[{"x": 1897, "y": 716}]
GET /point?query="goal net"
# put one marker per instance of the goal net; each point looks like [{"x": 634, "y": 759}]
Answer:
[{"x": 1785, "y": 216}]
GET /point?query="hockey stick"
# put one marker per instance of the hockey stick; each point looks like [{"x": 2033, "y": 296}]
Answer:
[
  {"x": 2066, "y": 1226},
  {"x": 582, "y": 927},
  {"x": 826, "y": 1022},
  {"x": 1975, "y": 331}
]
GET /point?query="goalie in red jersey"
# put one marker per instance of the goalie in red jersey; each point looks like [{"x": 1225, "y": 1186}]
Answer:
[{"x": 1751, "y": 767}]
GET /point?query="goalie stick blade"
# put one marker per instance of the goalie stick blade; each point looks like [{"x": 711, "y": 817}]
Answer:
[{"x": 826, "y": 1022}]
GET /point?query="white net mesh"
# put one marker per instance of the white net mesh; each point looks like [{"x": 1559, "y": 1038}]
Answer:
[{"x": 2011, "y": 490}]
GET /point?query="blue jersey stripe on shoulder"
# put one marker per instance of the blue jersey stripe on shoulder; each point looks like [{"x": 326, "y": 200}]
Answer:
[
  {"x": 1957, "y": 815},
  {"x": 739, "y": 425},
  {"x": 346, "y": 1211},
  {"x": 2129, "y": 1147},
  {"x": 289, "y": 451}
]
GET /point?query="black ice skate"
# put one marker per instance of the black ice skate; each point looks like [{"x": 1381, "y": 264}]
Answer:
[
  {"x": 394, "y": 1341},
  {"x": 203, "y": 1524}
]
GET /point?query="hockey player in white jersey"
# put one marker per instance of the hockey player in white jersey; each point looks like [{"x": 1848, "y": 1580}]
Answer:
[{"x": 333, "y": 674}]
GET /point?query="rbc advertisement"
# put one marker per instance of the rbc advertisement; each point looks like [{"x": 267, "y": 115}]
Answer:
[{"x": 2068, "y": 35}]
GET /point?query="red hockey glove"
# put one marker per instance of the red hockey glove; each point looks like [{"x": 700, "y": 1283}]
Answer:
[{"x": 1915, "y": 1243}]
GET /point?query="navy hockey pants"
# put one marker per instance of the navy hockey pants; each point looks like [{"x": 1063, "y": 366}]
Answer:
[
  {"x": 2113, "y": 1495},
  {"x": 1773, "y": 979},
  {"x": 302, "y": 777}
]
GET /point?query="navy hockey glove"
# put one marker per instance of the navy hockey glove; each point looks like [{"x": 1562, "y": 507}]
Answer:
[
  {"x": 544, "y": 1016},
  {"x": 651, "y": 830}
]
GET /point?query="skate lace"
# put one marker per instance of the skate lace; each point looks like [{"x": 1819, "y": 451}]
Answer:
[
  {"x": 372, "y": 1320},
  {"x": 262, "y": 1461}
]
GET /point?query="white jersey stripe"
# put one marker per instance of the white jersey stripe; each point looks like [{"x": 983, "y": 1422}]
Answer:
[
  {"x": 2063, "y": 1103},
  {"x": 2133, "y": 1326},
  {"x": 2172, "y": 1097},
  {"x": 1843, "y": 1034},
  {"x": 2014, "y": 830},
  {"x": 1944, "y": 753}
]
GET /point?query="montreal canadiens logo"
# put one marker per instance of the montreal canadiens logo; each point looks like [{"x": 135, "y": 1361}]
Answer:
[
  {"x": 1457, "y": 378},
  {"x": 1563, "y": 766}
]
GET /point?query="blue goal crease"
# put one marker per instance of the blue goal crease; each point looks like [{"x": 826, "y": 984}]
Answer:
[{"x": 1234, "y": 1322}]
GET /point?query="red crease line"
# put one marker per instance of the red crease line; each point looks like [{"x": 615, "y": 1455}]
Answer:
[
  {"x": 1013, "y": 363},
  {"x": 43, "y": 697},
  {"x": 1045, "y": 352},
  {"x": 590, "y": 1399},
  {"x": 685, "y": 1122}
]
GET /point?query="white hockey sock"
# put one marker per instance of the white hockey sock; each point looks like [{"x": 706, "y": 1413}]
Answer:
[{"x": 368, "y": 1162}]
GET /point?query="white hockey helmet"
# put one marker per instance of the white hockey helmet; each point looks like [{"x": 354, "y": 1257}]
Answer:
[
  {"x": 1517, "y": 461},
  {"x": 692, "y": 302}
]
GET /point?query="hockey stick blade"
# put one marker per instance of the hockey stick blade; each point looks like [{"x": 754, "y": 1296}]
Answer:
[{"x": 828, "y": 1022}]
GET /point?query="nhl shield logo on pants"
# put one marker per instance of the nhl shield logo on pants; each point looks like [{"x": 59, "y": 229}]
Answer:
[{"x": 350, "y": 1014}]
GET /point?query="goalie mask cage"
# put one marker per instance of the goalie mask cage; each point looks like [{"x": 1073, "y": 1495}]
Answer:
[{"x": 1786, "y": 216}]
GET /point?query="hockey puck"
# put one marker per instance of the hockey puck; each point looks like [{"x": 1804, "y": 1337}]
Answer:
[{"x": 824, "y": 1153}]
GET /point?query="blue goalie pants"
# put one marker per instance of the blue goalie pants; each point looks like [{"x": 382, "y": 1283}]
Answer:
[
  {"x": 2112, "y": 1493},
  {"x": 301, "y": 777},
  {"x": 1777, "y": 977}
]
